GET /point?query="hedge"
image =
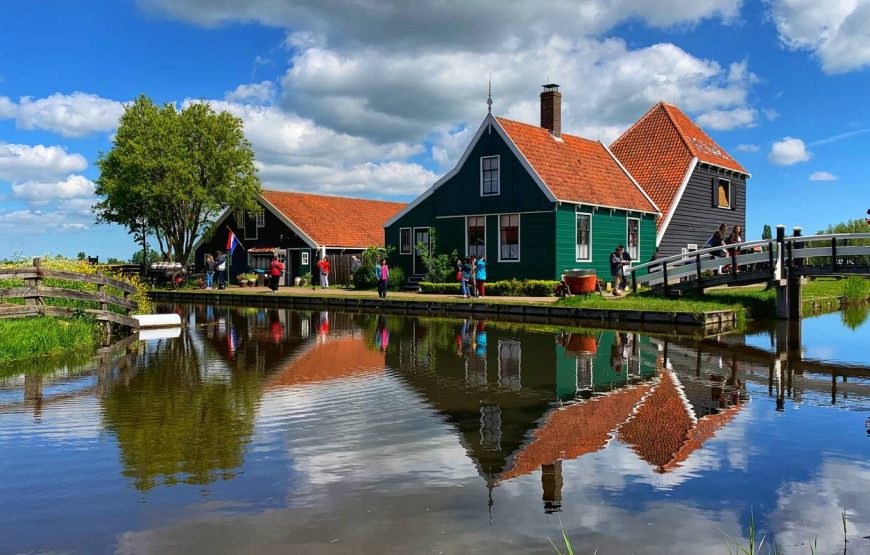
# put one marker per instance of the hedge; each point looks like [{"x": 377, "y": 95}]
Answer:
[
  {"x": 364, "y": 278},
  {"x": 506, "y": 288}
]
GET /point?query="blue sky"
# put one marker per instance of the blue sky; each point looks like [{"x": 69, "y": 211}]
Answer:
[{"x": 342, "y": 99}]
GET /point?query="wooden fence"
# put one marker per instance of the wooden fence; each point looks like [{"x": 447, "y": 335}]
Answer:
[{"x": 35, "y": 293}]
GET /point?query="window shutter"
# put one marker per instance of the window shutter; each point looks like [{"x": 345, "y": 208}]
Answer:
[
  {"x": 733, "y": 196},
  {"x": 715, "y": 189}
]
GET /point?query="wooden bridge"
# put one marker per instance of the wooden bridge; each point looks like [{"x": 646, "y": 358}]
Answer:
[
  {"x": 35, "y": 294},
  {"x": 784, "y": 261}
]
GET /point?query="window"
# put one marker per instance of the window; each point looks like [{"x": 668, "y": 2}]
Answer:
[
  {"x": 584, "y": 244},
  {"x": 489, "y": 177},
  {"x": 632, "y": 239},
  {"x": 304, "y": 258},
  {"x": 240, "y": 218},
  {"x": 723, "y": 193},
  {"x": 510, "y": 355},
  {"x": 261, "y": 218},
  {"x": 476, "y": 235},
  {"x": 405, "y": 240},
  {"x": 509, "y": 237}
]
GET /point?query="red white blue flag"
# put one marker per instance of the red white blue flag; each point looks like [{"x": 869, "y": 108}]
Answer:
[{"x": 232, "y": 241}]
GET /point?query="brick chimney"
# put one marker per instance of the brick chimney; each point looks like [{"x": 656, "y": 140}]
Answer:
[{"x": 551, "y": 109}]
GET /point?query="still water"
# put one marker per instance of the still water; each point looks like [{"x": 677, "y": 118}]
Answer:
[{"x": 279, "y": 431}]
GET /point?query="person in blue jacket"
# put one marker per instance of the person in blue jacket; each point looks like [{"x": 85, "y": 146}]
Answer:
[{"x": 481, "y": 275}]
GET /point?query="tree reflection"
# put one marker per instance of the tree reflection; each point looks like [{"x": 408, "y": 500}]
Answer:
[{"x": 176, "y": 422}]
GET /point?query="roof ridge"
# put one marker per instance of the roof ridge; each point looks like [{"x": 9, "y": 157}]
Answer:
[
  {"x": 327, "y": 195},
  {"x": 533, "y": 126},
  {"x": 638, "y": 122}
]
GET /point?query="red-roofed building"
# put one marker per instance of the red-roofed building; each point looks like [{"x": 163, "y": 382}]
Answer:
[
  {"x": 298, "y": 228},
  {"x": 693, "y": 181},
  {"x": 533, "y": 200}
]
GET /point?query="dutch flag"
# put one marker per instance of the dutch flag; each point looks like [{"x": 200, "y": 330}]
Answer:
[{"x": 232, "y": 241}]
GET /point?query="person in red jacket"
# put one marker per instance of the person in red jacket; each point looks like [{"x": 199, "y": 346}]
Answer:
[
  {"x": 324, "y": 273},
  {"x": 276, "y": 268}
]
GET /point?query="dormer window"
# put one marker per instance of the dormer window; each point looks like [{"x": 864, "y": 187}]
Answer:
[{"x": 489, "y": 176}]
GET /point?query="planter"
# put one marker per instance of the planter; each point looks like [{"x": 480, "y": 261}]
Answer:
[{"x": 581, "y": 282}]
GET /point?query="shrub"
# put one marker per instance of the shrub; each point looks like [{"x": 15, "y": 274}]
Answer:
[
  {"x": 397, "y": 279},
  {"x": 505, "y": 288},
  {"x": 439, "y": 288},
  {"x": 856, "y": 290},
  {"x": 539, "y": 287},
  {"x": 364, "y": 278}
]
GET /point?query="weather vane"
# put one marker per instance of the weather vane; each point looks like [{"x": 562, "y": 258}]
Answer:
[{"x": 489, "y": 96}]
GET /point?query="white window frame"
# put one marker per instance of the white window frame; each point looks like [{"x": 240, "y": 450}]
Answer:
[
  {"x": 497, "y": 182},
  {"x": 730, "y": 183},
  {"x": 467, "y": 245},
  {"x": 519, "y": 237},
  {"x": 304, "y": 259},
  {"x": 410, "y": 240},
  {"x": 261, "y": 218},
  {"x": 239, "y": 215},
  {"x": 577, "y": 215},
  {"x": 627, "y": 245}
]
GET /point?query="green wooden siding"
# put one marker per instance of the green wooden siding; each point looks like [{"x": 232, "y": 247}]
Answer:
[{"x": 609, "y": 229}]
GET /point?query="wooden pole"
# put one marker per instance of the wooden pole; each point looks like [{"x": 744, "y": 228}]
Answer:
[{"x": 665, "y": 279}]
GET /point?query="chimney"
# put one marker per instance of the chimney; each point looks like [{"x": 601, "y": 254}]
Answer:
[{"x": 551, "y": 109}]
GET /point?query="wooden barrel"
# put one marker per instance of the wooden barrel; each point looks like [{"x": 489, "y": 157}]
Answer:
[{"x": 581, "y": 282}]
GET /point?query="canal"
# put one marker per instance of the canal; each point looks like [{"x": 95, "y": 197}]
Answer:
[{"x": 281, "y": 431}]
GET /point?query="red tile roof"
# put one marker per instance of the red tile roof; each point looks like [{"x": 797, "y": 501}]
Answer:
[
  {"x": 335, "y": 221},
  {"x": 576, "y": 430},
  {"x": 576, "y": 169},
  {"x": 337, "y": 357},
  {"x": 658, "y": 149}
]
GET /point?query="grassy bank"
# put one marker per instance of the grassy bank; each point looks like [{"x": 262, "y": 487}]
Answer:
[{"x": 39, "y": 337}]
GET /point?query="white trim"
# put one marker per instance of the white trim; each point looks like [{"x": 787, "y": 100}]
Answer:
[
  {"x": 606, "y": 207},
  {"x": 498, "y": 173},
  {"x": 410, "y": 240},
  {"x": 638, "y": 238},
  {"x": 577, "y": 212},
  {"x": 631, "y": 177},
  {"x": 488, "y": 121},
  {"x": 731, "y": 190},
  {"x": 676, "y": 201},
  {"x": 260, "y": 215},
  {"x": 253, "y": 228},
  {"x": 484, "y": 234},
  {"x": 493, "y": 214},
  {"x": 304, "y": 257},
  {"x": 286, "y": 221},
  {"x": 519, "y": 237},
  {"x": 414, "y": 245}
]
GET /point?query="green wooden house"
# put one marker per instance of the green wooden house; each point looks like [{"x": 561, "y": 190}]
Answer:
[{"x": 534, "y": 201}]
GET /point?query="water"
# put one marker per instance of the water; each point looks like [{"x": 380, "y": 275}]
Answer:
[{"x": 261, "y": 431}]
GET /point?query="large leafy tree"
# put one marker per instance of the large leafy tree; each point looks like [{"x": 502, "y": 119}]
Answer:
[{"x": 170, "y": 173}]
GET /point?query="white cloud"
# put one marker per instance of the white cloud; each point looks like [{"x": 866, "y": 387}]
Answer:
[
  {"x": 37, "y": 222},
  {"x": 385, "y": 179},
  {"x": 822, "y": 176},
  {"x": 788, "y": 151},
  {"x": 837, "y": 32},
  {"x": 725, "y": 120},
  {"x": 24, "y": 162},
  {"x": 252, "y": 93},
  {"x": 71, "y": 115},
  {"x": 37, "y": 193},
  {"x": 748, "y": 148}
]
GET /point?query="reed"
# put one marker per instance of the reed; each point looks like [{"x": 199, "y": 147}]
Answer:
[
  {"x": 39, "y": 337},
  {"x": 856, "y": 290}
]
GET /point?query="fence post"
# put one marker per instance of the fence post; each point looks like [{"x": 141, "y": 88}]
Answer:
[
  {"x": 665, "y": 278},
  {"x": 734, "y": 263},
  {"x": 634, "y": 281},
  {"x": 772, "y": 261},
  {"x": 33, "y": 284},
  {"x": 698, "y": 268},
  {"x": 780, "y": 249},
  {"x": 834, "y": 264},
  {"x": 796, "y": 232}
]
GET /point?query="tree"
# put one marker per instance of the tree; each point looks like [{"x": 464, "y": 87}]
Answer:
[
  {"x": 767, "y": 233},
  {"x": 170, "y": 173},
  {"x": 139, "y": 256},
  {"x": 81, "y": 256},
  {"x": 439, "y": 267}
]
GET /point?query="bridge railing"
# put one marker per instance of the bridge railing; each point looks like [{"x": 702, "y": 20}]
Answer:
[{"x": 836, "y": 251}]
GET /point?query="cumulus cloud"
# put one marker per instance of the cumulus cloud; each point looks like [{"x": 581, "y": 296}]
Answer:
[
  {"x": 24, "y": 162},
  {"x": 385, "y": 179},
  {"x": 252, "y": 93},
  {"x": 37, "y": 222},
  {"x": 837, "y": 32},
  {"x": 38, "y": 193},
  {"x": 788, "y": 151},
  {"x": 742, "y": 147},
  {"x": 822, "y": 176},
  {"x": 725, "y": 120},
  {"x": 70, "y": 115}
]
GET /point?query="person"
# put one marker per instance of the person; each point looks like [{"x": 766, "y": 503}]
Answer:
[
  {"x": 464, "y": 278},
  {"x": 472, "y": 276},
  {"x": 627, "y": 258},
  {"x": 382, "y": 273},
  {"x": 458, "y": 269},
  {"x": 355, "y": 264},
  {"x": 209, "y": 271},
  {"x": 480, "y": 278},
  {"x": 276, "y": 268},
  {"x": 717, "y": 240},
  {"x": 315, "y": 275},
  {"x": 617, "y": 268},
  {"x": 324, "y": 273},
  {"x": 221, "y": 268},
  {"x": 562, "y": 290},
  {"x": 736, "y": 236}
]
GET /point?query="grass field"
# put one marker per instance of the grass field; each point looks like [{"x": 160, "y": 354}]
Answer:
[{"x": 39, "y": 337}]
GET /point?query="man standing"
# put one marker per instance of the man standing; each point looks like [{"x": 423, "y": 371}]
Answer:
[
  {"x": 382, "y": 272},
  {"x": 617, "y": 268},
  {"x": 324, "y": 273},
  {"x": 221, "y": 270}
]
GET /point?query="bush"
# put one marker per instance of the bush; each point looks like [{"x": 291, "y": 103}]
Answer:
[
  {"x": 505, "y": 288},
  {"x": 856, "y": 290},
  {"x": 397, "y": 279},
  {"x": 364, "y": 278}
]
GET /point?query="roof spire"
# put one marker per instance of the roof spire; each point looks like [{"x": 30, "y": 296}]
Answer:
[{"x": 489, "y": 96}]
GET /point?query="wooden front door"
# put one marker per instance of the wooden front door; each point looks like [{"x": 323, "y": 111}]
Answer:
[{"x": 421, "y": 235}]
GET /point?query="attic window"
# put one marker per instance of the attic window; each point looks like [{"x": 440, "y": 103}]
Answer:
[
  {"x": 723, "y": 193},
  {"x": 489, "y": 176}
]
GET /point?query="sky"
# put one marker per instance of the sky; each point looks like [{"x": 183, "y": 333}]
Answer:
[{"x": 379, "y": 99}]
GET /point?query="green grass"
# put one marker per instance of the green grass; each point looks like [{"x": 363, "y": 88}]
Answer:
[
  {"x": 26, "y": 338},
  {"x": 652, "y": 303}
]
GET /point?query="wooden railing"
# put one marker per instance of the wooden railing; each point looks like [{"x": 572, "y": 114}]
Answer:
[{"x": 35, "y": 294}]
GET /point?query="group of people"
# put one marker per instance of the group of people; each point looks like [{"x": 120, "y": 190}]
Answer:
[
  {"x": 721, "y": 238},
  {"x": 215, "y": 266},
  {"x": 471, "y": 274}
]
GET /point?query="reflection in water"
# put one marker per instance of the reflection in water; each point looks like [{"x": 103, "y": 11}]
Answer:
[{"x": 281, "y": 430}]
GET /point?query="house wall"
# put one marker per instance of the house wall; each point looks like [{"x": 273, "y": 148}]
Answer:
[
  {"x": 696, "y": 217},
  {"x": 609, "y": 229},
  {"x": 460, "y": 196}
]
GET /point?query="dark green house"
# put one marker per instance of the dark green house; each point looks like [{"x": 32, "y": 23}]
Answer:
[{"x": 534, "y": 201}]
